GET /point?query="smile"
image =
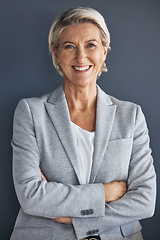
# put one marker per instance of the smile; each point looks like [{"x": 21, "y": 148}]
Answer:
[{"x": 81, "y": 68}]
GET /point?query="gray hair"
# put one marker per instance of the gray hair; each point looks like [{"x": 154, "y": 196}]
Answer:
[{"x": 77, "y": 16}]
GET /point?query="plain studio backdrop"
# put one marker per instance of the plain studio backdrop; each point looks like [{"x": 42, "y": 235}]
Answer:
[{"x": 26, "y": 70}]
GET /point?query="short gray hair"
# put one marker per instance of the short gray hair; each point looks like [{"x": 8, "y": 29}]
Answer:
[{"x": 77, "y": 16}]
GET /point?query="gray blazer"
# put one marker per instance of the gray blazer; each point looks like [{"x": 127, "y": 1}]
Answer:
[{"x": 42, "y": 137}]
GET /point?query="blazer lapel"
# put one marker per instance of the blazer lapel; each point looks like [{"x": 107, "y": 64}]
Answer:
[
  {"x": 104, "y": 122},
  {"x": 57, "y": 109}
]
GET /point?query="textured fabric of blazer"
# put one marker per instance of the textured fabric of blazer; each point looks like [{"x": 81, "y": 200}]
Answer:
[{"x": 43, "y": 138}]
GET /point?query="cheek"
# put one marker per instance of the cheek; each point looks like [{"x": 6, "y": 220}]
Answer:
[
  {"x": 64, "y": 58},
  {"x": 98, "y": 60},
  {"x": 99, "y": 57}
]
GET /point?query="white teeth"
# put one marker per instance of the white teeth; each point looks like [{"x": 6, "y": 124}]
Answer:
[{"x": 81, "y": 68}]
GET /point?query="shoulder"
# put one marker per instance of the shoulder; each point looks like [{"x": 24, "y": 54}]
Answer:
[
  {"x": 128, "y": 110},
  {"x": 125, "y": 110},
  {"x": 36, "y": 100},
  {"x": 27, "y": 107},
  {"x": 35, "y": 107},
  {"x": 40, "y": 101},
  {"x": 121, "y": 103},
  {"x": 111, "y": 100},
  {"x": 124, "y": 105},
  {"x": 31, "y": 105}
]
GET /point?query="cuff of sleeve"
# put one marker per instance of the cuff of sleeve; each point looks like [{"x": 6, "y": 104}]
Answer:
[
  {"x": 84, "y": 227},
  {"x": 85, "y": 224},
  {"x": 93, "y": 203}
]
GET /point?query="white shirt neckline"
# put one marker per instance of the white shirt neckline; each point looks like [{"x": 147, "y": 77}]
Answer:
[
  {"x": 84, "y": 141},
  {"x": 82, "y": 128}
]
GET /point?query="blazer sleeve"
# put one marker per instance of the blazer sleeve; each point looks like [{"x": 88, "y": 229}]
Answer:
[
  {"x": 42, "y": 198},
  {"x": 139, "y": 201}
]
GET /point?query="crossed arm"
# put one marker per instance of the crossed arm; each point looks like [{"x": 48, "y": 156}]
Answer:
[{"x": 113, "y": 191}]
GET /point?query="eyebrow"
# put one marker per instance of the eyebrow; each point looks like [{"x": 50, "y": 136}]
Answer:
[
  {"x": 67, "y": 42},
  {"x": 90, "y": 40}
]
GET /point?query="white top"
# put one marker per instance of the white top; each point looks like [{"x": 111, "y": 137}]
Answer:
[{"x": 84, "y": 141}]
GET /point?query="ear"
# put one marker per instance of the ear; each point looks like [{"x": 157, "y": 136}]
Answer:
[
  {"x": 54, "y": 51},
  {"x": 104, "y": 53}
]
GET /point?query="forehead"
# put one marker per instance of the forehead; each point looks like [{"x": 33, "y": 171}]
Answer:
[{"x": 80, "y": 32}]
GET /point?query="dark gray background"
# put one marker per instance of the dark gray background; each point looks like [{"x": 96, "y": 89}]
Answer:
[{"x": 26, "y": 70}]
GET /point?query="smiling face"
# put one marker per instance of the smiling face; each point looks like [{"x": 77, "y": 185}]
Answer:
[{"x": 80, "y": 54}]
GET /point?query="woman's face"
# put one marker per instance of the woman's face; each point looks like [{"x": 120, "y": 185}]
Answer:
[{"x": 80, "y": 54}]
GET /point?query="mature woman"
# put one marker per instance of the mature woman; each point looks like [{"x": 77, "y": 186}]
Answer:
[{"x": 82, "y": 165}]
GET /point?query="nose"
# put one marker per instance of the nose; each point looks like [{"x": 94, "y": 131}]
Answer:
[{"x": 81, "y": 55}]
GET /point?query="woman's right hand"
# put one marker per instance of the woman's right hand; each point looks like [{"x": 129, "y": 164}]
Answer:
[{"x": 114, "y": 190}]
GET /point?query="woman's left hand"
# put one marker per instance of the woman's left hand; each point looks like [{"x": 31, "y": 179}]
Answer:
[{"x": 66, "y": 220}]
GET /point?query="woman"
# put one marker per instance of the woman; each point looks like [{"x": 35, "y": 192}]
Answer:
[{"x": 82, "y": 165}]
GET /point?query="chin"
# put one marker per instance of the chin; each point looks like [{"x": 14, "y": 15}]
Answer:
[{"x": 84, "y": 82}]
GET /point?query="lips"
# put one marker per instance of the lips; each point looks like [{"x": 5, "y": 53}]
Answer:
[{"x": 82, "y": 68}]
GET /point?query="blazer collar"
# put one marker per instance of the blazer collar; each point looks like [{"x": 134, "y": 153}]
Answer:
[
  {"x": 104, "y": 122},
  {"x": 58, "y": 111}
]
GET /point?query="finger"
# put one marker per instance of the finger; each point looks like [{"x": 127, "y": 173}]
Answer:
[
  {"x": 66, "y": 220},
  {"x": 42, "y": 175}
]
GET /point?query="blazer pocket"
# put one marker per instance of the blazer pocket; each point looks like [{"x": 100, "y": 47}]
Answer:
[
  {"x": 120, "y": 145},
  {"x": 130, "y": 229},
  {"x": 121, "y": 140},
  {"x": 116, "y": 160},
  {"x": 30, "y": 233}
]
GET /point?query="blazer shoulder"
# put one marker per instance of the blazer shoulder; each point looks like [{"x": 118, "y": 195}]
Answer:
[
  {"x": 110, "y": 100},
  {"x": 37, "y": 100},
  {"x": 123, "y": 103},
  {"x": 34, "y": 104},
  {"x": 51, "y": 97}
]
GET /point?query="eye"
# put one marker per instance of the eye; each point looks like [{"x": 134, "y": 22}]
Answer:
[
  {"x": 68, "y": 47},
  {"x": 90, "y": 45}
]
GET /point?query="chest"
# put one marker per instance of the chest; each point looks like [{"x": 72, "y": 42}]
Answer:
[
  {"x": 58, "y": 158},
  {"x": 86, "y": 120}
]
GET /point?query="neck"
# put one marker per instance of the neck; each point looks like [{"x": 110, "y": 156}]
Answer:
[{"x": 80, "y": 98}]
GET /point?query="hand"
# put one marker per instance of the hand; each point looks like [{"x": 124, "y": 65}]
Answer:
[
  {"x": 42, "y": 176},
  {"x": 66, "y": 220},
  {"x": 114, "y": 190}
]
